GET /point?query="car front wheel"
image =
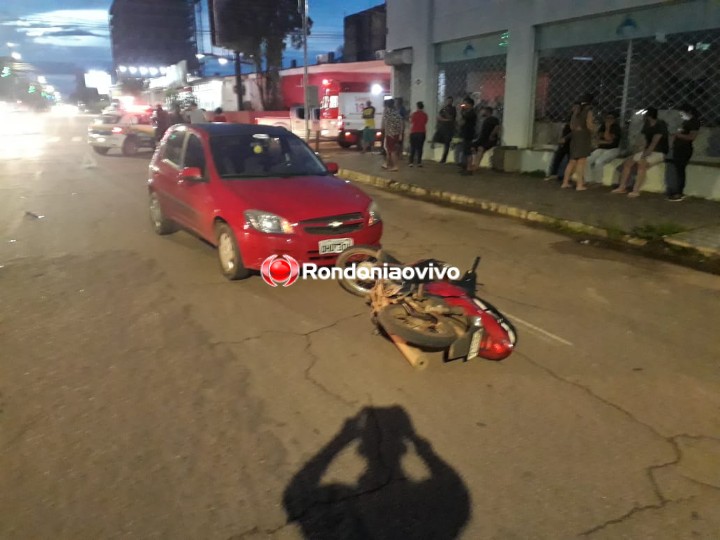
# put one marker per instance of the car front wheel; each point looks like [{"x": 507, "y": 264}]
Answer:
[{"x": 229, "y": 256}]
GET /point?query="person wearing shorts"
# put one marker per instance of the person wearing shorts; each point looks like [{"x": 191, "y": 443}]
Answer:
[
  {"x": 583, "y": 127},
  {"x": 392, "y": 126},
  {"x": 654, "y": 150},
  {"x": 368, "y": 134}
]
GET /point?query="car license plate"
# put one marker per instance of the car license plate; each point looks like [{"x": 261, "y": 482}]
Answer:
[
  {"x": 337, "y": 245},
  {"x": 475, "y": 344}
]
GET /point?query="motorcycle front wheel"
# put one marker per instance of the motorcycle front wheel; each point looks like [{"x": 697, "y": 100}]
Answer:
[
  {"x": 362, "y": 257},
  {"x": 432, "y": 333}
]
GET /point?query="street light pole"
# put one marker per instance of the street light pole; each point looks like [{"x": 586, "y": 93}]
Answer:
[
  {"x": 305, "y": 71},
  {"x": 238, "y": 81}
]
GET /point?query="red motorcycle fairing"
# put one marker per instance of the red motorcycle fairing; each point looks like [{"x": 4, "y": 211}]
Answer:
[{"x": 497, "y": 341}]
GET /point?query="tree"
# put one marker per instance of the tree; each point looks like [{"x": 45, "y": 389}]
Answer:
[{"x": 259, "y": 29}]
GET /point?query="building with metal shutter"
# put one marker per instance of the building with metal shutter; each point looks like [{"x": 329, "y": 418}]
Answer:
[{"x": 531, "y": 59}]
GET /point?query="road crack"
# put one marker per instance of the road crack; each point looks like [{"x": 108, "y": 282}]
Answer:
[
  {"x": 663, "y": 501},
  {"x": 386, "y": 480},
  {"x": 631, "y": 513}
]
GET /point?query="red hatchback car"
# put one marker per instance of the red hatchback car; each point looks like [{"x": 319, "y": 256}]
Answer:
[{"x": 256, "y": 191}]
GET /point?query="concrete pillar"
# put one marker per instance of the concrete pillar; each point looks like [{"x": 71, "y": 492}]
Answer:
[{"x": 519, "y": 104}]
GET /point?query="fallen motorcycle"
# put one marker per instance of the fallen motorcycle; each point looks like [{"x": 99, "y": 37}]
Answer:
[{"x": 423, "y": 315}]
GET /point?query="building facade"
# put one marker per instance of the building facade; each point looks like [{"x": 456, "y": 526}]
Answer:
[
  {"x": 153, "y": 34},
  {"x": 531, "y": 59},
  {"x": 365, "y": 35}
]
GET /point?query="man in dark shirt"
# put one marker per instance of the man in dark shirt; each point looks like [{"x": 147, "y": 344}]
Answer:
[
  {"x": 653, "y": 152},
  {"x": 609, "y": 135},
  {"x": 682, "y": 150},
  {"x": 467, "y": 133},
  {"x": 446, "y": 127},
  {"x": 488, "y": 138}
]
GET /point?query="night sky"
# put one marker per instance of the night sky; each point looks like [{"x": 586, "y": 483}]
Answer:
[{"x": 59, "y": 41}]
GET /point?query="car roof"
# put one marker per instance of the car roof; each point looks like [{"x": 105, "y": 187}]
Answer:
[{"x": 227, "y": 129}]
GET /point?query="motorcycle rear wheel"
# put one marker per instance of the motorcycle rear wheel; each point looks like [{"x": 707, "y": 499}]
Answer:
[
  {"x": 367, "y": 256},
  {"x": 436, "y": 334}
]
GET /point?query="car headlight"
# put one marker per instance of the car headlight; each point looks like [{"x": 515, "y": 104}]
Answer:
[
  {"x": 267, "y": 222},
  {"x": 374, "y": 212}
]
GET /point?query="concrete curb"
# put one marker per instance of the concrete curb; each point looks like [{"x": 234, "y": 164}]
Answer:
[
  {"x": 485, "y": 205},
  {"x": 708, "y": 252}
]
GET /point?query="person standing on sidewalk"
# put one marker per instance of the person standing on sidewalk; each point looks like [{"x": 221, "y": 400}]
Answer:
[
  {"x": 196, "y": 116},
  {"x": 368, "y": 134},
  {"x": 162, "y": 122},
  {"x": 608, "y": 148},
  {"x": 488, "y": 138},
  {"x": 467, "y": 133},
  {"x": 219, "y": 115},
  {"x": 392, "y": 126},
  {"x": 446, "y": 127},
  {"x": 682, "y": 150},
  {"x": 653, "y": 152},
  {"x": 418, "y": 124},
  {"x": 563, "y": 149},
  {"x": 583, "y": 127}
]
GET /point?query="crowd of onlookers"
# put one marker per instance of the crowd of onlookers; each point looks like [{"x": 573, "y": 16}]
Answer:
[
  {"x": 586, "y": 145},
  {"x": 162, "y": 119},
  {"x": 471, "y": 130}
]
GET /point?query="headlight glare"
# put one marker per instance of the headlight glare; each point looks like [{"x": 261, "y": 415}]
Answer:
[{"x": 268, "y": 222}]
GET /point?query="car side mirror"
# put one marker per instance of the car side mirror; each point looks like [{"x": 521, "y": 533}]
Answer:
[
  {"x": 192, "y": 174},
  {"x": 332, "y": 168}
]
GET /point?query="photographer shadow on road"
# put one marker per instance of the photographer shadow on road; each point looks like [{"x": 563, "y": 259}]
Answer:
[{"x": 384, "y": 502}]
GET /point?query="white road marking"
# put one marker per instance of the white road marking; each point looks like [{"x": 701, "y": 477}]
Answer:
[
  {"x": 76, "y": 139},
  {"x": 540, "y": 330},
  {"x": 54, "y": 139}
]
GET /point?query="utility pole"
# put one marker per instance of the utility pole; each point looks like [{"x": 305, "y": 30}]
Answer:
[
  {"x": 238, "y": 81},
  {"x": 305, "y": 63}
]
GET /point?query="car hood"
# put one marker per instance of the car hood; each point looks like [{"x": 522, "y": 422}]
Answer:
[{"x": 299, "y": 198}]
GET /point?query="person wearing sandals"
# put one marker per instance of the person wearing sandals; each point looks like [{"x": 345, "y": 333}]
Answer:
[
  {"x": 583, "y": 128},
  {"x": 563, "y": 148},
  {"x": 393, "y": 128},
  {"x": 653, "y": 152}
]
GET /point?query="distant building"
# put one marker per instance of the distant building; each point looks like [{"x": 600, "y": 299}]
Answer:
[
  {"x": 365, "y": 34},
  {"x": 153, "y": 34}
]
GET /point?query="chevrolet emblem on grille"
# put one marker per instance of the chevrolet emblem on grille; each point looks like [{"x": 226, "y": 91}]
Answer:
[{"x": 335, "y": 224}]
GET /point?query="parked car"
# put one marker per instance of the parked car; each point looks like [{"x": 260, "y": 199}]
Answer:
[
  {"x": 127, "y": 131},
  {"x": 256, "y": 191}
]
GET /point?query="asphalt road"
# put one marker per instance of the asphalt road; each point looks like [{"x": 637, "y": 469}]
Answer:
[{"x": 143, "y": 396}]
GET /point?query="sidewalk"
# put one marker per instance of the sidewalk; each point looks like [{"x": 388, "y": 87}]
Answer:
[{"x": 696, "y": 222}]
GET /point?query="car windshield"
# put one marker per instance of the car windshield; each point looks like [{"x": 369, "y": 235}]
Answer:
[{"x": 261, "y": 156}]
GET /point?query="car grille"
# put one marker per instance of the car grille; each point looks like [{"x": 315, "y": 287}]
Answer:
[
  {"x": 101, "y": 132},
  {"x": 350, "y": 223}
]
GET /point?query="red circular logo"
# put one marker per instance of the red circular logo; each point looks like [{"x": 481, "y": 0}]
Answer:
[
  {"x": 280, "y": 270},
  {"x": 283, "y": 270}
]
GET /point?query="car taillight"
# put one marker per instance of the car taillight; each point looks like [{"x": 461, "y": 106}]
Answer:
[{"x": 118, "y": 130}]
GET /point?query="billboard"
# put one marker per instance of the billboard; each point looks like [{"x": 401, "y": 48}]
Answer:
[
  {"x": 100, "y": 80},
  {"x": 221, "y": 13}
]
